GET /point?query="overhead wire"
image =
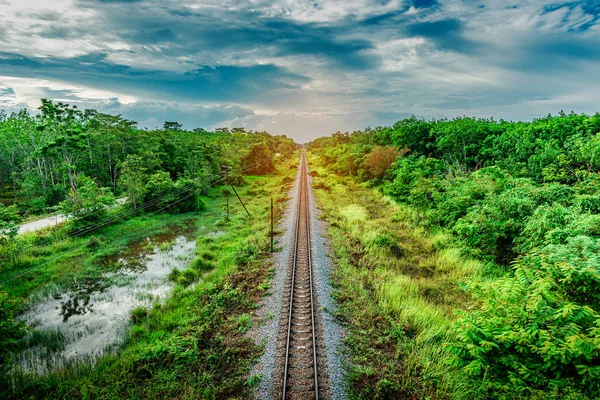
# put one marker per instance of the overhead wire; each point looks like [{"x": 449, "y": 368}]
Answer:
[{"x": 22, "y": 273}]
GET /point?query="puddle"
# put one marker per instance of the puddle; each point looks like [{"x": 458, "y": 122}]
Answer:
[{"x": 91, "y": 317}]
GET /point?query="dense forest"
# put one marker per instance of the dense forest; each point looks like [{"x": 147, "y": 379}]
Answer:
[
  {"x": 100, "y": 171},
  {"x": 46, "y": 158},
  {"x": 523, "y": 198}
]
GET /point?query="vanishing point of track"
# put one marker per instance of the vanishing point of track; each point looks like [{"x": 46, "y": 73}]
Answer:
[{"x": 300, "y": 370}]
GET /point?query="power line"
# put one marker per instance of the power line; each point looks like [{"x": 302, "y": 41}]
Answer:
[{"x": 118, "y": 230}]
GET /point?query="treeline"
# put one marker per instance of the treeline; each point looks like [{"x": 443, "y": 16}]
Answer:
[
  {"x": 521, "y": 195},
  {"x": 63, "y": 153}
]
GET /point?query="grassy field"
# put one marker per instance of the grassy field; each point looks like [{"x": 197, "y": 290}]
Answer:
[
  {"x": 398, "y": 287},
  {"x": 193, "y": 345}
]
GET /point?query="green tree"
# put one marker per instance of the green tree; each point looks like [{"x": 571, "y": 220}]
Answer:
[
  {"x": 12, "y": 332},
  {"x": 9, "y": 220},
  {"x": 89, "y": 203},
  {"x": 539, "y": 329},
  {"x": 132, "y": 180}
]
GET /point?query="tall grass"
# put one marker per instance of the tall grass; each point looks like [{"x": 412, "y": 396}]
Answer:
[{"x": 398, "y": 287}]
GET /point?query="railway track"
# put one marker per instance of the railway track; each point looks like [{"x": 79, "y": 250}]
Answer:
[{"x": 299, "y": 324}]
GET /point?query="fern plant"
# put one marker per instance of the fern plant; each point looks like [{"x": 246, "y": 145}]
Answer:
[{"x": 538, "y": 329}]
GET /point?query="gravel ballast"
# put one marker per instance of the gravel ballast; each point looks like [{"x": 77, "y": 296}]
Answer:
[{"x": 267, "y": 325}]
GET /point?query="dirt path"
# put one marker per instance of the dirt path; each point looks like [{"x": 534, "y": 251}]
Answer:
[{"x": 51, "y": 221}]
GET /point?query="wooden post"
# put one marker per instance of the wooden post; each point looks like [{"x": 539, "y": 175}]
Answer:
[
  {"x": 240, "y": 199},
  {"x": 272, "y": 224},
  {"x": 227, "y": 190}
]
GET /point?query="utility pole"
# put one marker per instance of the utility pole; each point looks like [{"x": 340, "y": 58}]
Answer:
[
  {"x": 271, "y": 224},
  {"x": 226, "y": 168}
]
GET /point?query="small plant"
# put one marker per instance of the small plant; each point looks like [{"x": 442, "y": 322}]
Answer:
[
  {"x": 138, "y": 314},
  {"x": 187, "y": 277},
  {"x": 322, "y": 186},
  {"x": 200, "y": 264},
  {"x": 174, "y": 274},
  {"x": 136, "y": 332},
  {"x": 164, "y": 247},
  {"x": 95, "y": 242},
  {"x": 254, "y": 380},
  {"x": 244, "y": 323},
  {"x": 208, "y": 255}
]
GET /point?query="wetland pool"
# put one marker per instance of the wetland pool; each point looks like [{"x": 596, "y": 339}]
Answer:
[{"x": 91, "y": 317}]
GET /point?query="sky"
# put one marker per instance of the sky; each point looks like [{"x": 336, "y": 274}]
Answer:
[{"x": 302, "y": 68}]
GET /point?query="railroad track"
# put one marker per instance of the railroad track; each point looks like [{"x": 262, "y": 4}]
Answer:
[{"x": 299, "y": 328}]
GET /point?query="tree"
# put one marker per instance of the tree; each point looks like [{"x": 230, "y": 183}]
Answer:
[
  {"x": 12, "y": 332},
  {"x": 89, "y": 203},
  {"x": 133, "y": 180},
  {"x": 9, "y": 220},
  {"x": 538, "y": 329},
  {"x": 69, "y": 138},
  {"x": 380, "y": 159},
  {"x": 172, "y": 126}
]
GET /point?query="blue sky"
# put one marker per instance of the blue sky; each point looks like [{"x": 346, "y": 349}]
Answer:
[{"x": 303, "y": 68}]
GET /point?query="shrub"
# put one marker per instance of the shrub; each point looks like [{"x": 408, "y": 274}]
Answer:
[
  {"x": 12, "y": 332},
  {"x": 379, "y": 160},
  {"x": 89, "y": 203},
  {"x": 95, "y": 242},
  {"x": 201, "y": 264},
  {"x": 208, "y": 255},
  {"x": 174, "y": 274},
  {"x": 538, "y": 329}
]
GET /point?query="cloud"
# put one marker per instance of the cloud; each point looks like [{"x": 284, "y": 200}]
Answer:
[
  {"x": 221, "y": 83},
  {"x": 302, "y": 68},
  {"x": 446, "y": 34}
]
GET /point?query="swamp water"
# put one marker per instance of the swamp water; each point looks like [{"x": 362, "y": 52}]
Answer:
[{"x": 91, "y": 318}]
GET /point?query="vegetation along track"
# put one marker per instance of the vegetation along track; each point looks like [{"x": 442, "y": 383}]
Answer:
[{"x": 302, "y": 367}]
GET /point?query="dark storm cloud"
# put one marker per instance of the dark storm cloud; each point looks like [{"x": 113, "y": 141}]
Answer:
[
  {"x": 204, "y": 83},
  {"x": 447, "y": 34},
  {"x": 273, "y": 36}
]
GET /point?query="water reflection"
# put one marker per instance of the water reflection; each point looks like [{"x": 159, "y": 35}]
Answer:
[{"x": 93, "y": 314}]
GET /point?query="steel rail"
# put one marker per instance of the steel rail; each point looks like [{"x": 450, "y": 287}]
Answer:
[{"x": 303, "y": 193}]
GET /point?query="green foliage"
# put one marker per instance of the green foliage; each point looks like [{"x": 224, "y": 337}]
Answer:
[
  {"x": 9, "y": 220},
  {"x": 89, "y": 203},
  {"x": 132, "y": 181},
  {"x": 521, "y": 195},
  {"x": 42, "y": 155},
  {"x": 12, "y": 332},
  {"x": 138, "y": 314},
  {"x": 538, "y": 329}
]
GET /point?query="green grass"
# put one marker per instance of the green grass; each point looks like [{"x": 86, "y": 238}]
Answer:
[
  {"x": 193, "y": 345},
  {"x": 397, "y": 286}
]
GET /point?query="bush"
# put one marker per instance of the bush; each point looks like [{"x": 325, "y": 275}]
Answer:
[
  {"x": 12, "y": 332},
  {"x": 538, "y": 329},
  {"x": 88, "y": 204},
  {"x": 379, "y": 160},
  {"x": 9, "y": 220},
  {"x": 174, "y": 274},
  {"x": 201, "y": 264}
]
